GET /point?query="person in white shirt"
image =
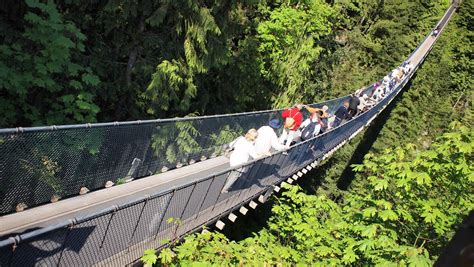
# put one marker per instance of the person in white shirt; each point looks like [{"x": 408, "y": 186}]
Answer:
[
  {"x": 370, "y": 102},
  {"x": 386, "y": 81},
  {"x": 267, "y": 138},
  {"x": 400, "y": 74},
  {"x": 363, "y": 103},
  {"x": 408, "y": 67},
  {"x": 378, "y": 94},
  {"x": 395, "y": 74},
  {"x": 243, "y": 150}
]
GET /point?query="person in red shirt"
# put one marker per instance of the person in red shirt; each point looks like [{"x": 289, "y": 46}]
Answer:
[{"x": 292, "y": 118}]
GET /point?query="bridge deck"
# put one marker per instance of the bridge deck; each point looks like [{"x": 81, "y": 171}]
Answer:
[{"x": 93, "y": 202}]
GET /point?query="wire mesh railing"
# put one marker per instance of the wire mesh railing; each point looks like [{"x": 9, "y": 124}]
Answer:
[
  {"x": 42, "y": 163},
  {"x": 120, "y": 234}
]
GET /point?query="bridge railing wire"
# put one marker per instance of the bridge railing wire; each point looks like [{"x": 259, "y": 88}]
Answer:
[
  {"x": 120, "y": 234},
  {"x": 44, "y": 163}
]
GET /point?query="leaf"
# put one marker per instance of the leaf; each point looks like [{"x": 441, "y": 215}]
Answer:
[
  {"x": 423, "y": 178},
  {"x": 323, "y": 250},
  {"x": 381, "y": 184},
  {"x": 149, "y": 257},
  {"x": 75, "y": 84},
  {"x": 369, "y": 212},
  {"x": 349, "y": 256},
  {"x": 90, "y": 79},
  {"x": 419, "y": 261},
  {"x": 83, "y": 105},
  {"x": 166, "y": 256},
  {"x": 370, "y": 230},
  {"x": 386, "y": 215},
  {"x": 366, "y": 245},
  {"x": 67, "y": 98}
]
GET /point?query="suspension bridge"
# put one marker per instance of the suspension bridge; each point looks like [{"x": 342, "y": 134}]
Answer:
[{"x": 100, "y": 194}]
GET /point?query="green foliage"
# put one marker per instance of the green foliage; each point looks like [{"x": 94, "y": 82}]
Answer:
[
  {"x": 404, "y": 209},
  {"x": 371, "y": 38},
  {"x": 426, "y": 192},
  {"x": 174, "y": 58},
  {"x": 42, "y": 81},
  {"x": 48, "y": 168},
  {"x": 290, "y": 45},
  {"x": 405, "y": 214},
  {"x": 432, "y": 102},
  {"x": 175, "y": 142},
  {"x": 204, "y": 46},
  {"x": 424, "y": 110},
  {"x": 149, "y": 258},
  {"x": 120, "y": 181},
  {"x": 172, "y": 85}
]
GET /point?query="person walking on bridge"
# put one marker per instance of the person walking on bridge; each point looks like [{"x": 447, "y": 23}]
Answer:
[
  {"x": 323, "y": 110},
  {"x": 243, "y": 150},
  {"x": 293, "y": 119},
  {"x": 341, "y": 114},
  {"x": 311, "y": 126},
  {"x": 268, "y": 139},
  {"x": 354, "y": 102}
]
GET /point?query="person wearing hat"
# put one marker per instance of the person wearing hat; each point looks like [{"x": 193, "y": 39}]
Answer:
[
  {"x": 268, "y": 139},
  {"x": 323, "y": 118},
  {"x": 324, "y": 110}
]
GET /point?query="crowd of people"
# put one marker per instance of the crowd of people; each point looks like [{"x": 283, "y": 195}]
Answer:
[{"x": 294, "y": 128}]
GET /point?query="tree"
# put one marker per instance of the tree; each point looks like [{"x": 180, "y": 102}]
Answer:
[{"x": 42, "y": 80}]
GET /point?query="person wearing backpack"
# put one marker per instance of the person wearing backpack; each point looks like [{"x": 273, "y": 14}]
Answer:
[
  {"x": 311, "y": 126},
  {"x": 323, "y": 116},
  {"x": 354, "y": 102},
  {"x": 292, "y": 118}
]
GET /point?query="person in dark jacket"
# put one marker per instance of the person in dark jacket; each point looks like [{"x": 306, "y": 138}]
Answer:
[
  {"x": 341, "y": 114},
  {"x": 354, "y": 102},
  {"x": 323, "y": 121}
]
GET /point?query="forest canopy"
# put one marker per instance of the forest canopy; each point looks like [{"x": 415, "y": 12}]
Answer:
[{"x": 64, "y": 62}]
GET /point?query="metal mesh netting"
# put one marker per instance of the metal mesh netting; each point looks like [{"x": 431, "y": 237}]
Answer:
[
  {"x": 39, "y": 163},
  {"x": 43, "y": 250},
  {"x": 119, "y": 236}
]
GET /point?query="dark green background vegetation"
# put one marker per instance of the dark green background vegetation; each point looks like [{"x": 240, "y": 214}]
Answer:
[
  {"x": 75, "y": 61},
  {"x": 84, "y": 61}
]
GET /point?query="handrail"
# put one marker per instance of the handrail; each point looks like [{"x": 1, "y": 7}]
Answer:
[{"x": 139, "y": 122}]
